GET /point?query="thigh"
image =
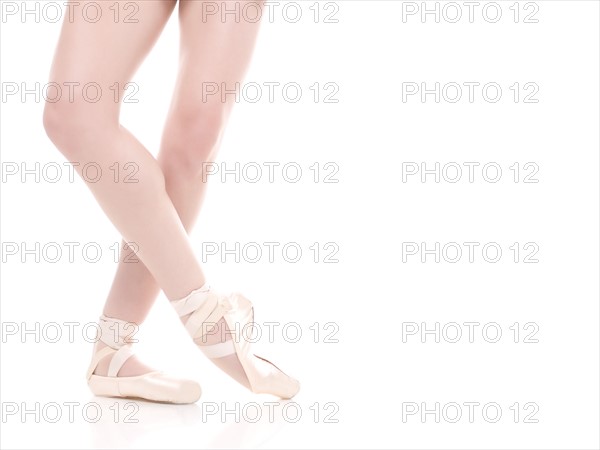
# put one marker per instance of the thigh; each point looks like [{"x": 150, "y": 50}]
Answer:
[
  {"x": 105, "y": 42},
  {"x": 215, "y": 51}
]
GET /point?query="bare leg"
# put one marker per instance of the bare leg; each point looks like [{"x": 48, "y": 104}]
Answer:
[
  {"x": 215, "y": 52},
  {"x": 88, "y": 132},
  {"x": 211, "y": 52}
]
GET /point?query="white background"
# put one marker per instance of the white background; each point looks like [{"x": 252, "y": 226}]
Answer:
[{"x": 370, "y": 374}]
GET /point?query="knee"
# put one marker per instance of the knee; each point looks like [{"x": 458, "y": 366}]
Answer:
[
  {"x": 60, "y": 122},
  {"x": 192, "y": 137},
  {"x": 72, "y": 127}
]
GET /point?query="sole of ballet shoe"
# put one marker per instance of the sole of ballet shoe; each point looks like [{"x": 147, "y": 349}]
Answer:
[{"x": 153, "y": 386}]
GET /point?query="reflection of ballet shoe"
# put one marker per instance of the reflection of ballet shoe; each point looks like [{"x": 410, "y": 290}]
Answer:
[
  {"x": 205, "y": 308},
  {"x": 154, "y": 386}
]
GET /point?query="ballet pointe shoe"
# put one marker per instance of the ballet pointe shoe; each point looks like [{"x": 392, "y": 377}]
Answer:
[
  {"x": 204, "y": 308},
  {"x": 153, "y": 386}
]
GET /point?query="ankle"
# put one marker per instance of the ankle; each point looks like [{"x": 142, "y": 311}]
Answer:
[
  {"x": 116, "y": 334},
  {"x": 186, "y": 306}
]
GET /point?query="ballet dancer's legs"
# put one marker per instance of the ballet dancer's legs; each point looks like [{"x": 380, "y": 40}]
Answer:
[
  {"x": 108, "y": 53},
  {"x": 211, "y": 53},
  {"x": 88, "y": 132}
]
